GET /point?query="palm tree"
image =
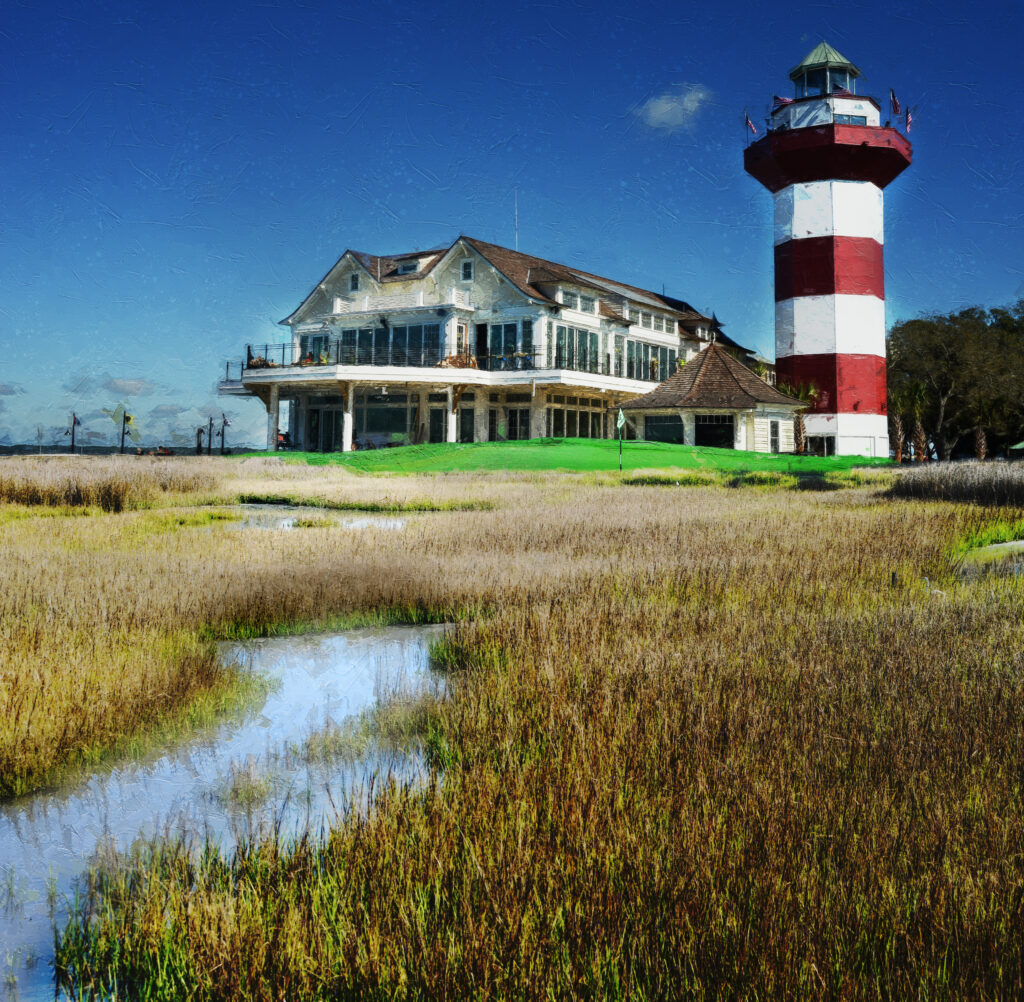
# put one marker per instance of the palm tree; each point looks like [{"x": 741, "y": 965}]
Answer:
[
  {"x": 808, "y": 393},
  {"x": 897, "y": 408},
  {"x": 917, "y": 399}
]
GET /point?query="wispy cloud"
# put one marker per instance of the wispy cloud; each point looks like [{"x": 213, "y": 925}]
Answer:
[
  {"x": 128, "y": 387},
  {"x": 675, "y": 110},
  {"x": 10, "y": 389},
  {"x": 167, "y": 411}
]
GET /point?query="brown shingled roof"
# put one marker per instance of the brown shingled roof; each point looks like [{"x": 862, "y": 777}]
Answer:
[
  {"x": 527, "y": 273},
  {"x": 714, "y": 379}
]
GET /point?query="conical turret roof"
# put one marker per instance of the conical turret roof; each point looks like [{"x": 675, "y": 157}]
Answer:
[
  {"x": 819, "y": 57},
  {"x": 714, "y": 379}
]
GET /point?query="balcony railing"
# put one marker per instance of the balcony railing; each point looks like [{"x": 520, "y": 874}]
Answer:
[{"x": 287, "y": 356}]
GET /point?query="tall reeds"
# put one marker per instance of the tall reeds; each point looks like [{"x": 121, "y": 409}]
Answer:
[
  {"x": 993, "y": 483},
  {"x": 700, "y": 747},
  {"x": 111, "y": 483}
]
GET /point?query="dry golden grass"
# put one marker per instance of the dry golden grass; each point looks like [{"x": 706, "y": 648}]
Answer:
[{"x": 699, "y": 746}]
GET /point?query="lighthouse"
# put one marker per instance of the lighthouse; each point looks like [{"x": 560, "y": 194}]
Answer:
[{"x": 826, "y": 158}]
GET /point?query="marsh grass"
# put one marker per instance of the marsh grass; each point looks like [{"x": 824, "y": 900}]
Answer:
[
  {"x": 395, "y": 724},
  {"x": 246, "y": 786},
  {"x": 992, "y": 483},
  {"x": 701, "y": 747},
  {"x": 111, "y": 483}
]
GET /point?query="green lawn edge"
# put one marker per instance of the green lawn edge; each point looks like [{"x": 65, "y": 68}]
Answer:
[{"x": 571, "y": 455}]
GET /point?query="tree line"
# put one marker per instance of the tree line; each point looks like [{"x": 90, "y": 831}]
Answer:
[{"x": 956, "y": 383}]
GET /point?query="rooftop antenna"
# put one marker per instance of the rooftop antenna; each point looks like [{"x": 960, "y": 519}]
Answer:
[{"x": 515, "y": 213}]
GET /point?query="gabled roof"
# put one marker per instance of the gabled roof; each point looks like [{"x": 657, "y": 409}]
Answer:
[
  {"x": 714, "y": 379},
  {"x": 527, "y": 273},
  {"x": 819, "y": 57}
]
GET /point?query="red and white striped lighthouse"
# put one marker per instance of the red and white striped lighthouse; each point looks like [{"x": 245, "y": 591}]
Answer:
[{"x": 826, "y": 159}]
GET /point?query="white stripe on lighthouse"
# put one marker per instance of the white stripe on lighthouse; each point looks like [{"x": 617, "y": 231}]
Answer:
[
  {"x": 828, "y": 208},
  {"x": 839, "y": 325}
]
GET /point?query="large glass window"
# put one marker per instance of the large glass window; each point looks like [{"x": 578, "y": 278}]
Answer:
[
  {"x": 364, "y": 351},
  {"x": 414, "y": 351},
  {"x": 348, "y": 347},
  {"x": 399, "y": 346},
  {"x": 381, "y": 337},
  {"x": 431, "y": 344},
  {"x": 527, "y": 348}
]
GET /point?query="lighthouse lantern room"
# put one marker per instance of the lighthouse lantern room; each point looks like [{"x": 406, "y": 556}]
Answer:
[{"x": 826, "y": 158}]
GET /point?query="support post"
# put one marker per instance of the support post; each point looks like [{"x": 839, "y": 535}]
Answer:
[
  {"x": 348, "y": 419},
  {"x": 273, "y": 406},
  {"x": 452, "y": 417}
]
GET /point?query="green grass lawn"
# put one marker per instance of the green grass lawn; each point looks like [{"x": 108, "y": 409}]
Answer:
[{"x": 572, "y": 454}]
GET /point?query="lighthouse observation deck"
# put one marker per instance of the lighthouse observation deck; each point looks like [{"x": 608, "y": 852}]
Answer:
[{"x": 837, "y": 152}]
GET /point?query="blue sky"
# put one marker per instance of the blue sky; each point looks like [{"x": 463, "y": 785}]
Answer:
[{"x": 176, "y": 177}]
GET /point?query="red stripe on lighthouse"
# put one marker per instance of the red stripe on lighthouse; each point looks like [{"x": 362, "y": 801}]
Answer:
[
  {"x": 826, "y": 266},
  {"x": 846, "y": 384}
]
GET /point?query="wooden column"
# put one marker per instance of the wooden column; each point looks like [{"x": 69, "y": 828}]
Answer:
[{"x": 273, "y": 406}]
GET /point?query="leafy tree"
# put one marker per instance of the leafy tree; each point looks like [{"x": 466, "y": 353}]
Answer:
[{"x": 960, "y": 374}]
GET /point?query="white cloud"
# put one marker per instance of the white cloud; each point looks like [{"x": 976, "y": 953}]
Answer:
[{"x": 675, "y": 110}]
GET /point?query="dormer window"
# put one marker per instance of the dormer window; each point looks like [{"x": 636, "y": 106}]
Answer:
[
  {"x": 467, "y": 271},
  {"x": 408, "y": 267},
  {"x": 570, "y": 299},
  {"x": 586, "y": 304},
  {"x": 353, "y": 282}
]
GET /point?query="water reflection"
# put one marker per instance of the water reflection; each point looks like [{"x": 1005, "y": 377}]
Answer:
[{"x": 225, "y": 783}]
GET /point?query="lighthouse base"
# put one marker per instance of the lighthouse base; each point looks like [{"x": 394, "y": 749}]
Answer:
[{"x": 848, "y": 434}]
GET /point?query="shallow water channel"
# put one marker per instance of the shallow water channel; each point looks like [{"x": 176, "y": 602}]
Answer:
[
  {"x": 47, "y": 840},
  {"x": 265, "y": 516}
]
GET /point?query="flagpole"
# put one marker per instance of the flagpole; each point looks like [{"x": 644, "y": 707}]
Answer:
[
  {"x": 73, "y": 420},
  {"x": 124, "y": 425},
  {"x": 620, "y": 424}
]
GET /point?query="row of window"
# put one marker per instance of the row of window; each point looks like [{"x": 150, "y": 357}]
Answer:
[
  {"x": 652, "y": 321},
  {"x": 578, "y": 301},
  {"x": 422, "y": 344}
]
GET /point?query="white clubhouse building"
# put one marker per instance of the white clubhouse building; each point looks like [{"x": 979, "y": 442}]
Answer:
[{"x": 469, "y": 343}]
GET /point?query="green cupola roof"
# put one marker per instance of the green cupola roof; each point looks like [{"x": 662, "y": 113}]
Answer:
[{"x": 823, "y": 56}]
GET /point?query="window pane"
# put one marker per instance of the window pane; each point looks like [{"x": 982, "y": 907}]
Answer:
[
  {"x": 431, "y": 344},
  {"x": 570, "y": 299},
  {"x": 381, "y": 336},
  {"x": 399, "y": 343},
  {"x": 364, "y": 354},
  {"x": 528, "y": 337},
  {"x": 587, "y": 304},
  {"x": 415, "y": 345}
]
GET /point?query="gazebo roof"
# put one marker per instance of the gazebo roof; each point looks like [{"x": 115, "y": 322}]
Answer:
[
  {"x": 712, "y": 380},
  {"x": 819, "y": 57}
]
